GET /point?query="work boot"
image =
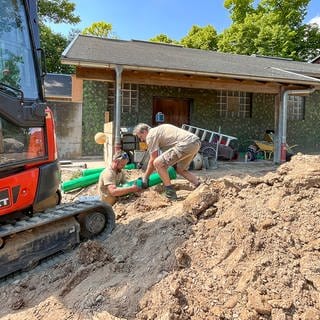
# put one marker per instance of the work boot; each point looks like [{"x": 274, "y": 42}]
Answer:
[{"x": 170, "y": 193}]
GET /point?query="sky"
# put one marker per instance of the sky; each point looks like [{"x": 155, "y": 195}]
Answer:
[{"x": 144, "y": 19}]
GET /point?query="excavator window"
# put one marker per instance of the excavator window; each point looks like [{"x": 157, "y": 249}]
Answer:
[
  {"x": 18, "y": 144},
  {"x": 20, "y": 89},
  {"x": 17, "y": 57}
]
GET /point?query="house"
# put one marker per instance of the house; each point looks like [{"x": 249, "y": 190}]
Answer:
[
  {"x": 63, "y": 94},
  {"x": 242, "y": 95}
]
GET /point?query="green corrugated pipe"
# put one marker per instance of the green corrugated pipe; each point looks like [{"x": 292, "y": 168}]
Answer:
[
  {"x": 87, "y": 180},
  {"x": 88, "y": 172},
  {"x": 154, "y": 179},
  {"x": 80, "y": 182}
]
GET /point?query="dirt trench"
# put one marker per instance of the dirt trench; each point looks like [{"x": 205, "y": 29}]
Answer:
[{"x": 242, "y": 246}]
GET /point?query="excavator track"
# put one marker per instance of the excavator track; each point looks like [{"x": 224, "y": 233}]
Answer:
[
  {"x": 46, "y": 263},
  {"x": 26, "y": 242}
]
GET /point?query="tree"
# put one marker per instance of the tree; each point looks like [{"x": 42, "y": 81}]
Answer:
[
  {"x": 100, "y": 29},
  {"x": 163, "y": 38},
  {"x": 53, "y": 45},
  {"x": 273, "y": 28},
  {"x": 239, "y": 9},
  {"x": 201, "y": 38},
  {"x": 56, "y": 11},
  {"x": 309, "y": 47},
  {"x": 73, "y": 33}
]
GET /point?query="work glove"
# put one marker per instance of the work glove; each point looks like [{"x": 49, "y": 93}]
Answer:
[{"x": 145, "y": 183}]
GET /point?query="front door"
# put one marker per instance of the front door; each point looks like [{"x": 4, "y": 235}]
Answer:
[{"x": 176, "y": 111}]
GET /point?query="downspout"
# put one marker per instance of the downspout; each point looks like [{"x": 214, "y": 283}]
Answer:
[
  {"x": 117, "y": 118},
  {"x": 283, "y": 121}
]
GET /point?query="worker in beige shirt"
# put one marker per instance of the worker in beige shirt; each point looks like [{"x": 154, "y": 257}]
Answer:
[
  {"x": 112, "y": 177},
  {"x": 178, "y": 148}
]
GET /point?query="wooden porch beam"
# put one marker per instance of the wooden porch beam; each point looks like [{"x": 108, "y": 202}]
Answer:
[
  {"x": 183, "y": 80},
  {"x": 102, "y": 74},
  {"x": 199, "y": 82}
]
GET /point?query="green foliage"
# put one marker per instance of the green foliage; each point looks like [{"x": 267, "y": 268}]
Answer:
[
  {"x": 163, "y": 38},
  {"x": 57, "y": 11},
  {"x": 239, "y": 9},
  {"x": 53, "y": 45},
  {"x": 273, "y": 28},
  {"x": 201, "y": 38},
  {"x": 288, "y": 12},
  {"x": 95, "y": 97},
  {"x": 100, "y": 29},
  {"x": 73, "y": 33},
  {"x": 309, "y": 46}
]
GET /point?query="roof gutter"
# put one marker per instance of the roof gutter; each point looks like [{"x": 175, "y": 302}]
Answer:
[{"x": 281, "y": 145}]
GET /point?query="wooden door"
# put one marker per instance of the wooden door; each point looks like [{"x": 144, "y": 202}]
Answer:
[{"x": 176, "y": 111}]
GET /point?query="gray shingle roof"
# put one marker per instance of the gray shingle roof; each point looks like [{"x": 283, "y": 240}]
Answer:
[
  {"x": 58, "y": 85},
  {"x": 101, "y": 52},
  {"x": 315, "y": 59}
]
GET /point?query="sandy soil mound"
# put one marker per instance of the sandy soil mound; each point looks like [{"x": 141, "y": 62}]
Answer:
[{"x": 239, "y": 247}]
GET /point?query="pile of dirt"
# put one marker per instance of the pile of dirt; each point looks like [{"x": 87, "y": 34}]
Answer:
[{"x": 238, "y": 247}]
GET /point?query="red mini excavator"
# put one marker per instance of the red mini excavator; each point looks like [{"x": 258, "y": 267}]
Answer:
[{"x": 33, "y": 223}]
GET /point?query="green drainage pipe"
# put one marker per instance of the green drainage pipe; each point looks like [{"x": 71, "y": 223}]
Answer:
[
  {"x": 88, "y": 172},
  {"x": 154, "y": 179},
  {"x": 87, "y": 180},
  {"x": 80, "y": 182}
]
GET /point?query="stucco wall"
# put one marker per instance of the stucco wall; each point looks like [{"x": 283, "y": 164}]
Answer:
[{"x": 68, "y": 119}]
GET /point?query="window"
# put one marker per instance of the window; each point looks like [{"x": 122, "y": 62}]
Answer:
[
  {"x": 234, "y": 104},
  {"x": 17, "y": 65},
  {"x": 19, "y": 144},
  {"x": 129, "y": 96},
  {"x": 296, "y": 106}
]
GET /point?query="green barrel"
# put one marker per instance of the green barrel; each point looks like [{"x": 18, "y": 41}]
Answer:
[{"x": 80, "y": 182}]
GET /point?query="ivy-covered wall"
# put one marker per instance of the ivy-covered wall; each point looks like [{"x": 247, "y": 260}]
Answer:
[
  {"x": 306, "y": 133},
  {"x": 95, "y": 103},
  {"x": 204, "y": 114}
]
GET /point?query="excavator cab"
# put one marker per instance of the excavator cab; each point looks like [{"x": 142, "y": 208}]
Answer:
[
  {"x": 27, "y": 139},
  {"x": 33, "y": 223}
]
